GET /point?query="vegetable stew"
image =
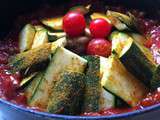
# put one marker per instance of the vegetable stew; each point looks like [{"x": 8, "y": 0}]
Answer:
[{"x": 87, "y": 61}]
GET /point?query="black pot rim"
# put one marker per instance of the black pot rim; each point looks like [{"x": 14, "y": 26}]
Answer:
[{"x": 49, "y": 115}]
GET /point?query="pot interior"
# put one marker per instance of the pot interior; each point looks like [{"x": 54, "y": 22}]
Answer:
[{"x": 9, "y": 9}]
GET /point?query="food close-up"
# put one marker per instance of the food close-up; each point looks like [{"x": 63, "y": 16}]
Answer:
[{"x": 86, "y": 61}]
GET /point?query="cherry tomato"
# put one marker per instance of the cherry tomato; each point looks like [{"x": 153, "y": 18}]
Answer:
[
  {"x": 100, "y": 28},
  {"x": 74, "y": 24},
  {"x": 99, "y": 46}
]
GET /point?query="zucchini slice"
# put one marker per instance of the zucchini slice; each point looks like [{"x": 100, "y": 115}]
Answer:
[
  {"x": 63, "y": 60},
  {"x": 140, "y": 39},
  {"x": 39, "y": 27},
  {"x": 31, "y": 88},
  {"x": 107, "y": 100},
  {"x": 99, "y": 15},
  {"x": 155, "y": 81},
  {"x": 29, "y": 58},
  {"x": 82, "y": 9},
  {"x": 53, "y": 23},
  {"x": 135, "y": 57},
  {"x": 34, "y": 56},
  {"x": 95, "y": 97},
  {"x": 53, "y": 36},
  {"x": 40, "y": 38},
  {"x": 61, "y": 42},
  {"x": 122, "y": 21},
  {"x": 93, "y": 87},
  {"x": 27, "y": 79},
  {"x": 26, "y": 37},
  {"x": 67, "y": 95},
  {"x": 120, "y": 82}
]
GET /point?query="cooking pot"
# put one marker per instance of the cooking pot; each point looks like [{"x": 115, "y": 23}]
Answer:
[{"x": 10, "y": 9}]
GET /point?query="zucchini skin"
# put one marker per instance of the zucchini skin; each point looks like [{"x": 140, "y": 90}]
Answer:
[
  {"x": 27, "y": 79},
  {"x": 155, "y": 82},
  {"x": 53, "y": 23},
  {"x": 122, "y": 83},
  {"x": 31, "y": 88},
  {"x": 138, "y": 64},
  {"x": 96, "y": 97},
  {"x": 122, "y": 21},
  {"x": 29, "y": 58},
  {"x": 97, "y": 15},
  {"x": 93, "y": 85},
  {"x": 67, "y": 95},
  {"x": 135, "y": 57}
]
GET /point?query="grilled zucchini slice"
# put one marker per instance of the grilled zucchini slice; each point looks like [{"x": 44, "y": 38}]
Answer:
[
  {"x": 97, "y": 15},
  {"x": 53, "y": 23},
  {"x": 40, "y": 38},
  {"x": 63, "y": 60},
  {"x": 135, "y": 57},
  {"x": 122, "y": 21},
  {"x": 26, "y": 37},
  {"x": 39, "y": 27},
  {"x": 67, "y": 95},
  {"x": 140, "y": 39},
  {"x": 53, "y": 36},
  {"x": 32, "y": 87},
  {"x": 29, "y": 58},
  {"x": 82, "y": 9},
  {"x": 96, "y": 97},
  {"x": 34, "y": 56},
  {"x": 120, "y": 82},
  {"x": 27, "y": 79}
]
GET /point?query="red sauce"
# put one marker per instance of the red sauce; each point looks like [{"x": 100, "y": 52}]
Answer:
[
  {"x": 151, "y": 99},
  {"x": 9, "y": 83}
]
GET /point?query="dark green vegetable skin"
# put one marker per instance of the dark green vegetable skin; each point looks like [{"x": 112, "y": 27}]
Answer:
[
  {"x": 93, "y": 85},
  {"x": 155, "y": 82},
  {"x": 137, "y": 63},
  {"x": 138, "y": 60},
  {"x": 67, "y": 95},
  {"x": 29, "y": 58},
  {"x": 32, "y": 87}
]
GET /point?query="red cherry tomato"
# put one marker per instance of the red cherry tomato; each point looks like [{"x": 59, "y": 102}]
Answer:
[
  {"x": 99, "y": 46},
  {"x": 100, "y": 28},
  {"x": 74, "y": 24}
]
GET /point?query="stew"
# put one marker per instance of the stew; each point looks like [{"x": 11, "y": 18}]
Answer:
[{"x": 87, "y": 62}]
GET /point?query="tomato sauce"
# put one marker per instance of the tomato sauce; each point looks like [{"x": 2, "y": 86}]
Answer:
[
  {"x": 151, "y": 99},
  {"x": 9, "y": 82}
]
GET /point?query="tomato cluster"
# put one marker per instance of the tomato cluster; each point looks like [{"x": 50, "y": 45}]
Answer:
[{"x": 74, "y": 25}]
